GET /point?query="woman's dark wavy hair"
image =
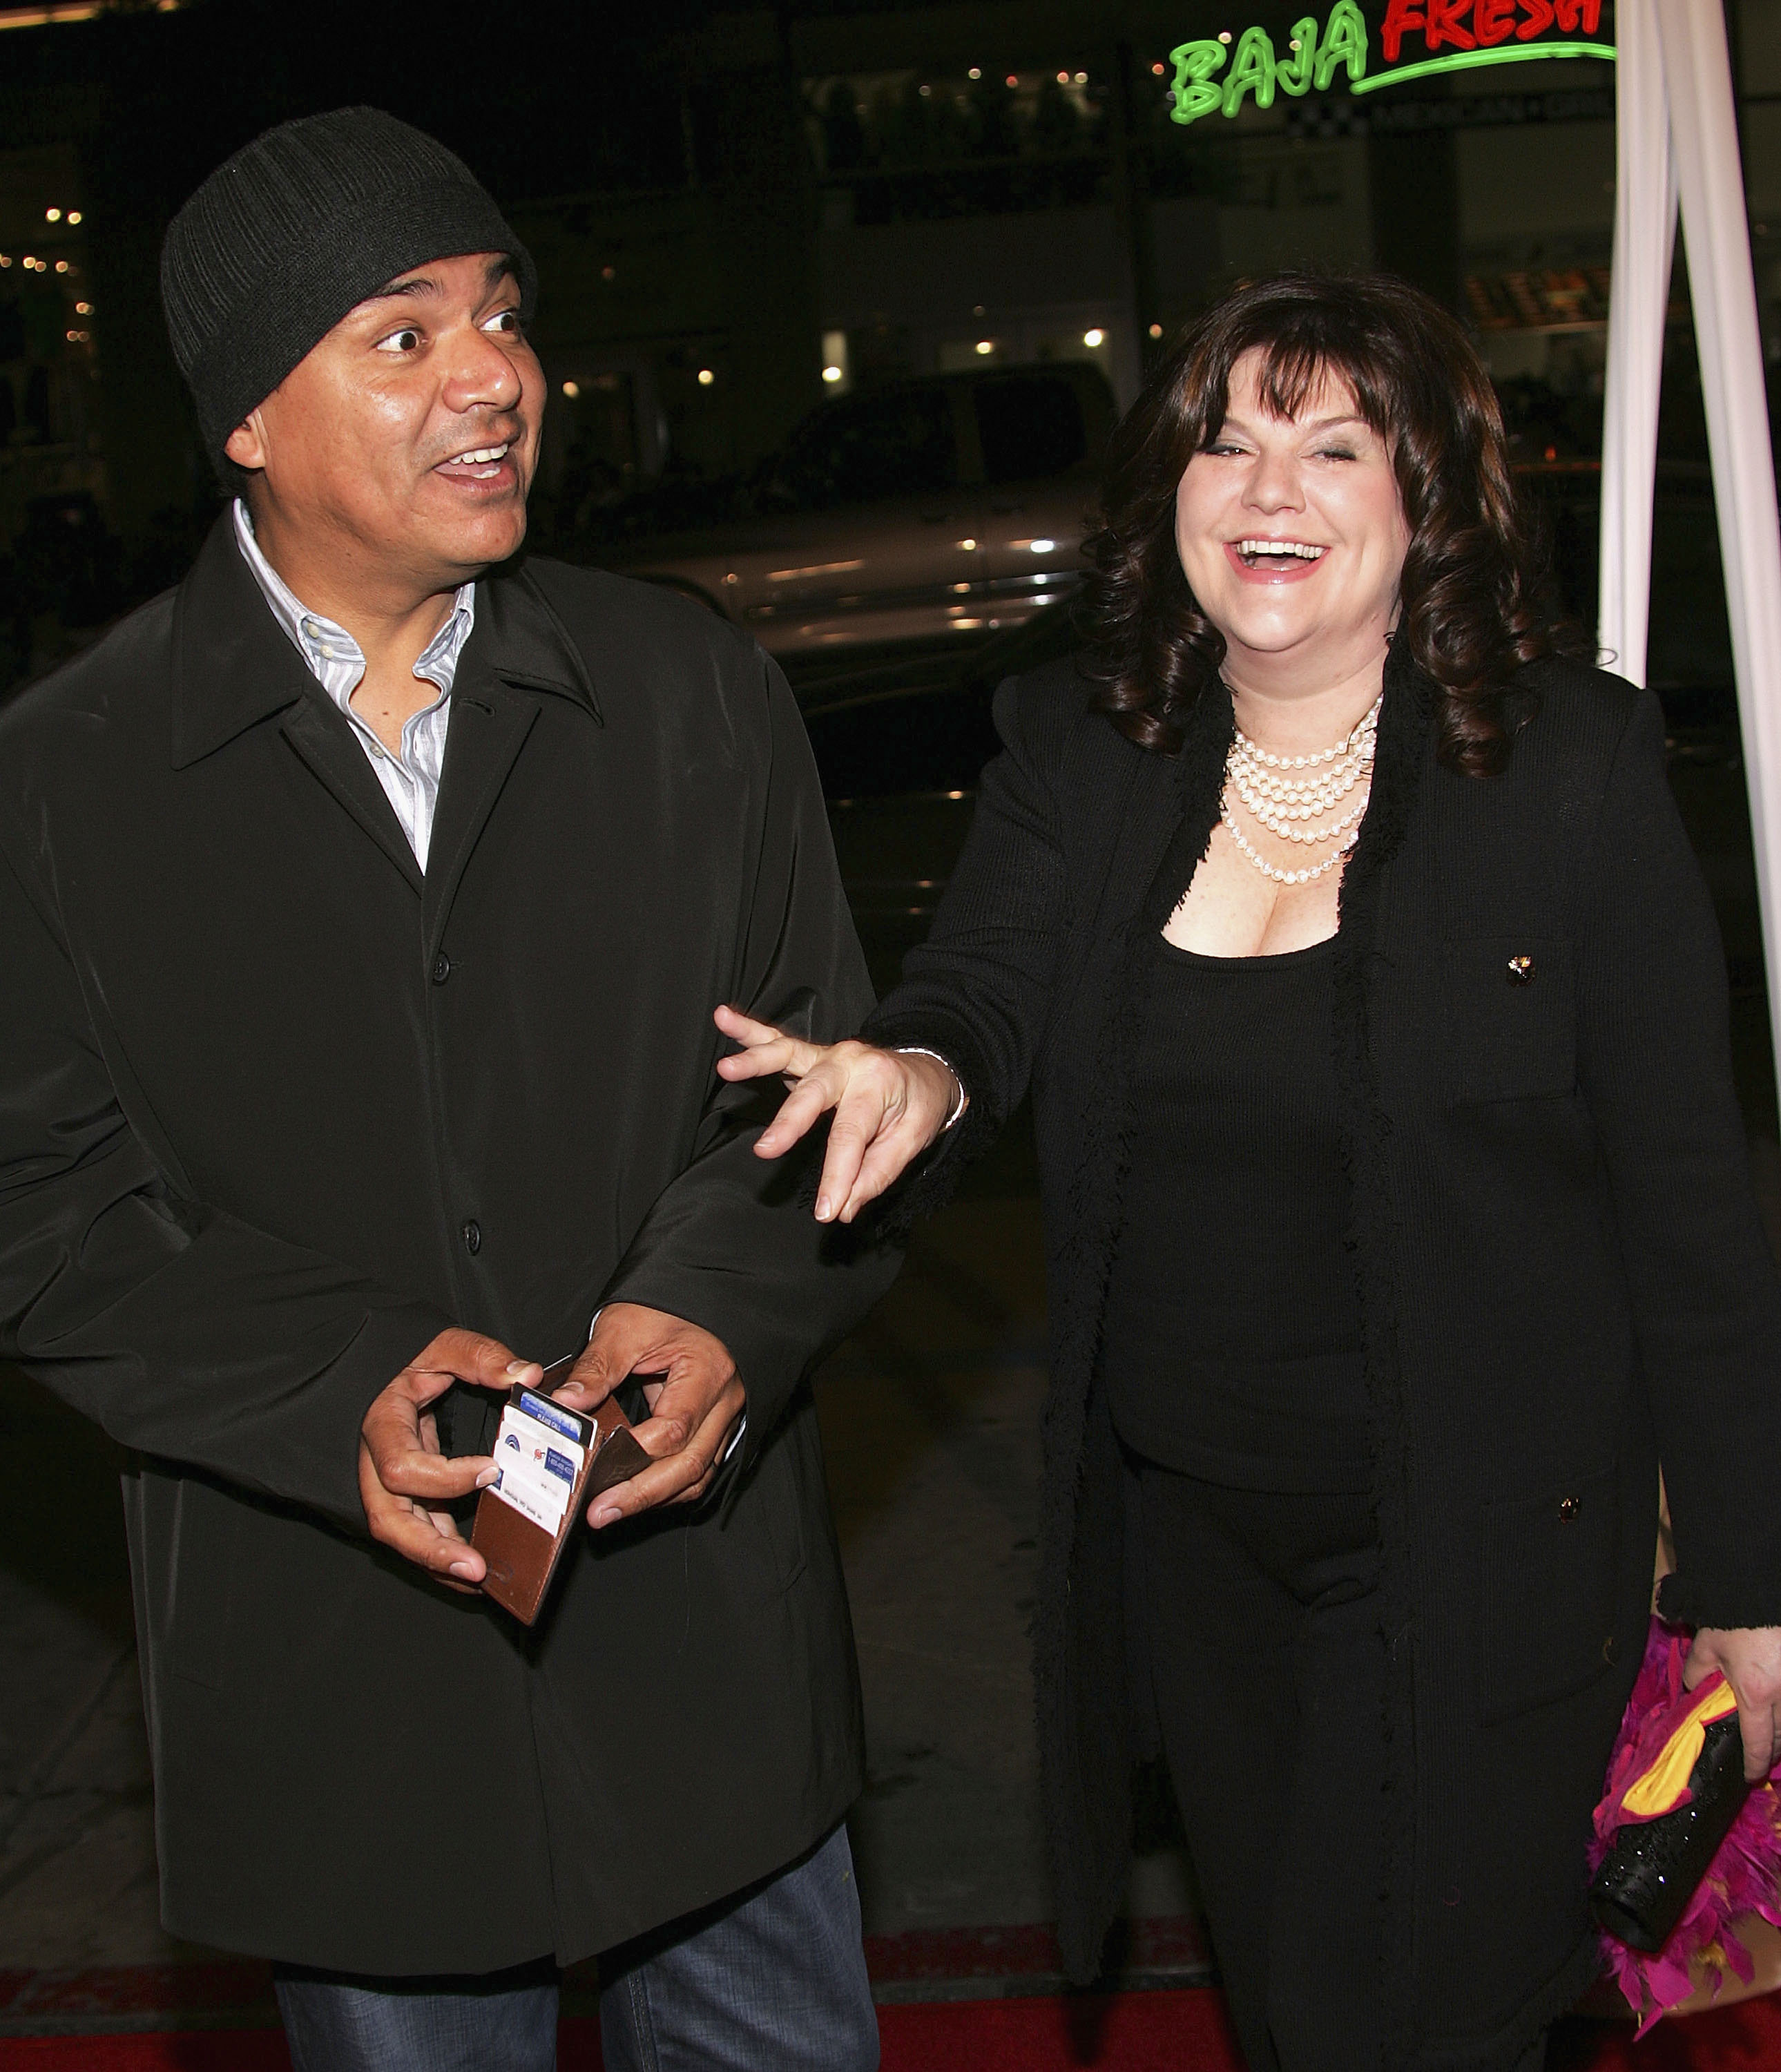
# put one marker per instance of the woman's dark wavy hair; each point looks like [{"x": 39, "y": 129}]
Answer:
[{"x": 1474, "y": 608}]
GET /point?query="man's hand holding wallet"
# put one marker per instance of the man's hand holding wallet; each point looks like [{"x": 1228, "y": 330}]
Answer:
[{"x": 690, "y": 1389}]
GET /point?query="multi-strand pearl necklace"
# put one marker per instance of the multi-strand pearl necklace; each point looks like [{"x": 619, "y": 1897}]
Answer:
[{"x": 1282, "y": 801}]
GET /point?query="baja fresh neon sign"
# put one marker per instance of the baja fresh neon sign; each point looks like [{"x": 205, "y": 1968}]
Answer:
[{"x": 1453, "y": 35}]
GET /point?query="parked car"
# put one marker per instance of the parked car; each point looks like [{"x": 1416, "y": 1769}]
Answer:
[
  {"x": 942, "y": 506},
  {"x": 900, "y": 748}
]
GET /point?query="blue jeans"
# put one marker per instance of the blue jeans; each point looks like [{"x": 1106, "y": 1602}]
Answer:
[{"x": 771, "y": 1980}]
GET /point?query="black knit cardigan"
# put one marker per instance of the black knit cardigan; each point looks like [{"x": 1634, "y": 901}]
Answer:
[{"x": 1562, "y": 1271}]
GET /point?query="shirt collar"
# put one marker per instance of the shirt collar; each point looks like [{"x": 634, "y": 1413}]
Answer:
[{"x": 324, "y": 646}]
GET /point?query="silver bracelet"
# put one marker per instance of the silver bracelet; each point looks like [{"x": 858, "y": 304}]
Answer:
[{"x": 921, "y": 1051}]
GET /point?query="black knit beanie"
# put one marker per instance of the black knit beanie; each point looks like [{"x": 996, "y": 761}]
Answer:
[{"x": 295, "y": 230}]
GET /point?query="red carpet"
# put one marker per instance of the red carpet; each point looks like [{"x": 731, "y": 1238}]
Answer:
[{"x": 1146, "y": 2032}]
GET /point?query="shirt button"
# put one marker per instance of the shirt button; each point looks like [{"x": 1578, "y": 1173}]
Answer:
[
  {"x": 1569, "y": 1506},
  {"x": 473, "y": 1236},
  {"x": 442, "y": 968},
  {"x": 1520, "y": 971}
]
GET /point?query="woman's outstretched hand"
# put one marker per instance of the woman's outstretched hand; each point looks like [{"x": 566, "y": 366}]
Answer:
[{"x": 889, "y": 1106}]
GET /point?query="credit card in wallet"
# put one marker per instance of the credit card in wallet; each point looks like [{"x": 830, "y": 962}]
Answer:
[
  {"x": 528, "y": 1496},
  {"x": 533, "y": 1455},
  {"x": 539, "y": 1447},
  {"x": 550, "y": 1459}
]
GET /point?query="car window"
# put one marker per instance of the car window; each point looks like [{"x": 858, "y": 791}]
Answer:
[
  {"x": 1031, "y": 425},
  {"x": 898, "y": 442},
  {"x": 894, "y": 743}
]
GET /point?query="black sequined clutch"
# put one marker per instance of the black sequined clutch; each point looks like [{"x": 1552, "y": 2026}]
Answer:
[{"x": 1650, "y": 1874}]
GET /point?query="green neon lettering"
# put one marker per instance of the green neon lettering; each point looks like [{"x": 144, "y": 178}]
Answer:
[
  {"x": 1466, "y": 60},
  {"x": 1257, "y": 70},
  {"x": 1195, "y": 63},
  {"x": 1344, "y": 42},
  {"x": 1294, "y": 73},
  {"x": 1252, "y": 71}
]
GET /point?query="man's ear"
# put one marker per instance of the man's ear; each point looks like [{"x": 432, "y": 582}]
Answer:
[{"x": 246, "y": 445}]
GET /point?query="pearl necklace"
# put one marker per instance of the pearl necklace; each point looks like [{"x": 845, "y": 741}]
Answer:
[{"x": 1280, "y": 801}]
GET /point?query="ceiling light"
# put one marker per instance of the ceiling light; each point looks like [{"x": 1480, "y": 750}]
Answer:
[
  {"x": 1063, "y": 78},
  {"x": 832, "y": 372},
  {"x": 1081, "y": 79},
  {"x": 1042, "y": 546},
  {"x": 1094, "y": 337},
  {"x": 706, "y": 377},
  {"x": 572, "y": 389},
  {"x": 976, "y": 71},
  {"x": 1156, "y": 330},
  {"x": 83, "y": 309},
  {"x": 1014, "y": 79},
  {"x": 967, "y": 546},
  {"x": 52, "y": 216},
  {"x": 1159, "y": 70},
  {"x": 74, "y": 216},
  {"x": 986, "y": 347},
  {"x": 61, "y": 265}
]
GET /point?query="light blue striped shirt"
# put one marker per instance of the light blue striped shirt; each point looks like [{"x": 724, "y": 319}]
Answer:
[{"x": 410, "y": 780}]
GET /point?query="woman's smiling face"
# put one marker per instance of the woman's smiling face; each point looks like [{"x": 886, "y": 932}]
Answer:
[{"x": 1291, "y": 532}]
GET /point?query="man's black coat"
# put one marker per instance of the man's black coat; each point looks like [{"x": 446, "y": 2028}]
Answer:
[
  {"x": 1562, "y": 1273},
  {"x": 275, "y": 1109}
]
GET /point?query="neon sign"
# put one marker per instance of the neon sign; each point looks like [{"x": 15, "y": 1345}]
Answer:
[{"x": 1457, "y": 35}]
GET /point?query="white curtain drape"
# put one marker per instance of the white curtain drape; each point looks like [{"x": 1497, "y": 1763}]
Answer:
[{"x": 1676, "y": 141}]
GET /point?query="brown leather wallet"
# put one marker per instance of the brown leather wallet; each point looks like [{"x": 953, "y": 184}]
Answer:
[{"x": 522, "y": 1556}]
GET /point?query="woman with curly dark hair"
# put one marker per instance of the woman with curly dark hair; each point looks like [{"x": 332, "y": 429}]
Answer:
[{"x": 1397, "y": 1210}]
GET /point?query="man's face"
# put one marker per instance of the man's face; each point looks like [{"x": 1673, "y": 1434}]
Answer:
[{"x": 406, "y": 440}]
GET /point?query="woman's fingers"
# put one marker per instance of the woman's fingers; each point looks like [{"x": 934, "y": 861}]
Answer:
[
  {"x": 812, "y": 1097},
  {"x": 860, "y": 1119},
  {"x": 923, "y": 1093},
  {"x": 766, "y": 1050},
  {"x": 887, "y": 1157},
  {"x": 742, "y": 1027},
  {"x": 873, "y": 1093}
]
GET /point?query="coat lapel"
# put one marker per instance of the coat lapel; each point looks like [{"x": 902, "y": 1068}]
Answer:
[
  {"x": 519, "y": 648},
  {"x": 489, "y": 722},
  {"x": 324, "y": 740},
  {"x": 233, "y": 667}
]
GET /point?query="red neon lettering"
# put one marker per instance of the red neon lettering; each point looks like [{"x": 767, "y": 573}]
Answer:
[
  {"x": 1539, "y": 15},
  {"x": 1400, "y": 15},
  {"x": 1492, "y": 21},
  {"x": 1445, "y": 26},
  {"x": 1575, "y": 15}
]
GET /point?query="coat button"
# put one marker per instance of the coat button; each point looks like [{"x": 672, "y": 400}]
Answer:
[
  {"x": 1569, "y": 1506},
  {"x": 473, "y": 1236},
  {"x": 442, "y": 968},
  {"x": 1520, "y": 971}
]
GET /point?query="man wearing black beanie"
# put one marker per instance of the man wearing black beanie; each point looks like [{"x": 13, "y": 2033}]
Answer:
[{"x": 363, "y": 904}]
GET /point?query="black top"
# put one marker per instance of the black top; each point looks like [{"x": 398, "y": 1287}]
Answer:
[{"x": 1233, "y": 1337}]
